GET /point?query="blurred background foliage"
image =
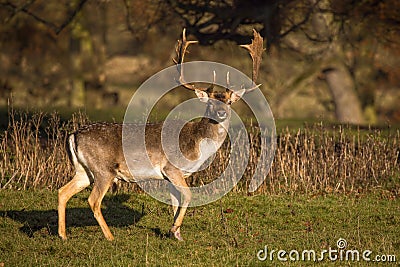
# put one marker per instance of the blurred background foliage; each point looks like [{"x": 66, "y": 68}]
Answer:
[{"x": 325, "y": 59}]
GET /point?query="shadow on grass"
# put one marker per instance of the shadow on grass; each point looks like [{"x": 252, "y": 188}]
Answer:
[
  {"x": 161, "y": 235},
  {"x": 45, "y": 222}
]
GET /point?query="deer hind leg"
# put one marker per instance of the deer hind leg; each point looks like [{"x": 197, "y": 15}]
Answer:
[
  {"x": 100, "y": 188},
  {"x": 77, "y": 184},
  {"x": 180, "y": 187}
]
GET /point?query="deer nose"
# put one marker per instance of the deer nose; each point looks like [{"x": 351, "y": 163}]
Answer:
[{"x": 221, "y": 114}]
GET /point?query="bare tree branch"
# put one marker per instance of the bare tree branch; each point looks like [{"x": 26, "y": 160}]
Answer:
[
  {"x": 24, "y": 9},
  {"x": 57, "y": 29},
  {"x": 71, "y": 16}
]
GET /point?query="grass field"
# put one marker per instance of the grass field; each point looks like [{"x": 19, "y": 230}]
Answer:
[
  {"x": 228, "y": 232},
  {"x": 327, "y": 182}
]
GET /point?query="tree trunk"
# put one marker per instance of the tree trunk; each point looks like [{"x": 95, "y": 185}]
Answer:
[
  {"x": 77, "y": 93},
  {"x": 341, "y": 84},
  {"x": 347, "y": 103}
]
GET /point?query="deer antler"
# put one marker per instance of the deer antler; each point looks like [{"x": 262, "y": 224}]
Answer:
[
  {"x": 255, "y": 49},
  {"x": 180, "y": 50}
]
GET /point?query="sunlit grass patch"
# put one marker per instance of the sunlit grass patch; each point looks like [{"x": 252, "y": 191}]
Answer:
[{"x": 228, "y": 232}]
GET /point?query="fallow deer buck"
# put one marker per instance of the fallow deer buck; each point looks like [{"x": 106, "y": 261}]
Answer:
[{"x": 97, "y": 154}]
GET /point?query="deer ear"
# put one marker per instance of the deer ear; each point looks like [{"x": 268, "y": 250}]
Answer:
[
  {"x": 202, "y": 95},
  {"x": 235, "y": 96}
]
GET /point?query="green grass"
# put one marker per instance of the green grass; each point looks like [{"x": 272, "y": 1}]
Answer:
[{"x": 228, "y": 232}]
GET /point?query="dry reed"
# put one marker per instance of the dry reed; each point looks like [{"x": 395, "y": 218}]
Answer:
[
  {"x": 311, "y": 160},
  {"x": 32, "y": 150}
]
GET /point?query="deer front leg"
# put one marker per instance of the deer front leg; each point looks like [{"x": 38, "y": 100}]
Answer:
[
  {"x": 180, "y": 213},
  {"x": 178, "y": 188},
  {"x": 175, "y": 199}
]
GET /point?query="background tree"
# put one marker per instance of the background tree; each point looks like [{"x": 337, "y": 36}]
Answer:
[
  {"x": 340, "y": 41},
  {"x": 325, "y": 56}
]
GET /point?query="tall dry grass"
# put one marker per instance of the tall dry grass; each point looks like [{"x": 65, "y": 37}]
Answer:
[
  {"x": 338, "y": 159},
  {"x": 321, "y": 159},
  {"x": 32, "y": 150},
  {"x": 311, "y": 160}
]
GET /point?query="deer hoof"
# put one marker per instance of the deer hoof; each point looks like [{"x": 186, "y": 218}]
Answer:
[
  {"x": 63, "y": 237},
  {"x": 178, "y": 236},
  {"x": 176, "y": 231}
]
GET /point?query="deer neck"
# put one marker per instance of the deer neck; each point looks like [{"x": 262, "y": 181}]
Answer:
[{"x": 208, "y": 128}]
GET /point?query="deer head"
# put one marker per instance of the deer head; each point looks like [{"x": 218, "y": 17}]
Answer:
[{"x": 218, "y": 103}]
